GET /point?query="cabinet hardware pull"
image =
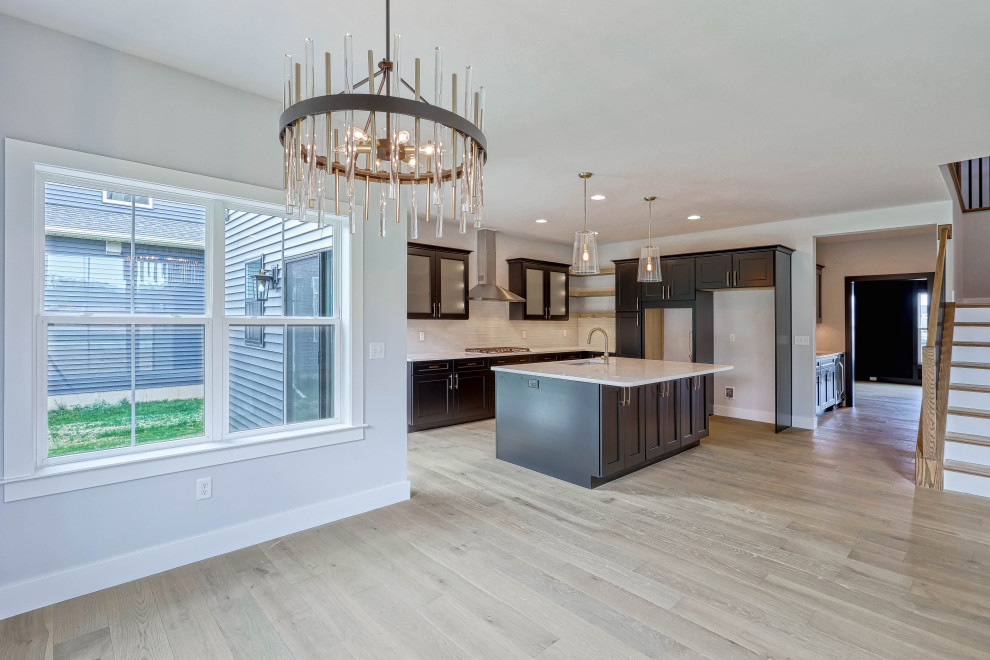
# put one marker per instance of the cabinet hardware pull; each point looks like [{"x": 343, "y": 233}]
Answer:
[
  {"x": 735, "y": 278},
  {"x": 726, "y": 278},
  {"x": 457, "y": 381},
  {"x": 450, "y": 382},
  {"x": 637, "y": 303},
  {"x": 637, "y": 320}
]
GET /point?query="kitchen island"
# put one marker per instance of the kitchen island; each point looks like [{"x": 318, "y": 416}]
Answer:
[{"x": 588, "y": 422}]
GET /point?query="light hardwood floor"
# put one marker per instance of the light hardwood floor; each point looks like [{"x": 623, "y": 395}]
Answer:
[{"x": 798, "y": 544}]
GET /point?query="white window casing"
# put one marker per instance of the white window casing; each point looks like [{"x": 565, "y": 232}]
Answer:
[{"x": 28, "y": 471}]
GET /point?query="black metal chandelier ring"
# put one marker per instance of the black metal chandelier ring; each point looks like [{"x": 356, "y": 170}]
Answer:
[{"x": 320, "y": 105}]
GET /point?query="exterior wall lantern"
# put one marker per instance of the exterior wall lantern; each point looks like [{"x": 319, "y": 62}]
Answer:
[{"x": 265, "y": 280}]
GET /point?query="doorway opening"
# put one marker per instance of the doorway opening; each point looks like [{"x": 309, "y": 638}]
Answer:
[{"x": 886, "y": 326}]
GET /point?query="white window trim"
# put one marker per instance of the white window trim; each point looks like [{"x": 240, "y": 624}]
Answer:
[{"x": 23, "y": 477}]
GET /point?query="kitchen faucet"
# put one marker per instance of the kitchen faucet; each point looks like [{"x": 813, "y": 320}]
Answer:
[{"x": 604, "y": 334}]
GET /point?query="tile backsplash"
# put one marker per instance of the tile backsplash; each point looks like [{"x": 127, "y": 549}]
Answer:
[{"x": 489, "y": 325}]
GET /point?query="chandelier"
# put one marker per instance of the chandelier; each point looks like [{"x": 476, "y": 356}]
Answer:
[{"x": 381, "y": 130}]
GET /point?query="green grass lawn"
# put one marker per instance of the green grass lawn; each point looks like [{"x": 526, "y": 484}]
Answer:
[{"x": 108, "y": 425}]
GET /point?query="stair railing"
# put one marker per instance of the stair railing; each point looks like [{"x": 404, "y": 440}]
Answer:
[{"x": 935, "y": 371}]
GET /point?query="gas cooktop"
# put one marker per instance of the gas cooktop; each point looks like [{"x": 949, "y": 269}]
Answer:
[{"x": 497, "y": 349}]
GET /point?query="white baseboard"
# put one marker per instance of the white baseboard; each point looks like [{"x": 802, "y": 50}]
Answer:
[
  {"x": 744, "y": 413},
  {"x": 56, "y": 587}
]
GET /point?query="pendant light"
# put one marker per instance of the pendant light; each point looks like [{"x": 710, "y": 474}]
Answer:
[
  {"x": 585, "y": 259},
  {"x": 649, "y": 256}
]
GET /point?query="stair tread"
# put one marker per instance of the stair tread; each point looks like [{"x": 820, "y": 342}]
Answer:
[
  {"x": 967, "y": 468},
  {"x": 968, "y": 438},
  {"x": 972, "y": 305},
  {"x": 969, "y": 412},
  {"x": 971, "y": 365},
  {"x": 978, "y": 344},
  {"x": 966, "y": 387},
  {"x": 977, "y": 324}
]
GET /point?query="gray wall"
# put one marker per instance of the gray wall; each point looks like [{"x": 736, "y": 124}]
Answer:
[{"x": 69, "y": 93}]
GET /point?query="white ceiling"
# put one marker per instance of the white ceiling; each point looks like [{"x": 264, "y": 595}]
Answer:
[{"x": 742, "y": 112}]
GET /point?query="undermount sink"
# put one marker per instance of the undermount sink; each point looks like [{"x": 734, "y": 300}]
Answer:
[{"x": 586, "y": 364}]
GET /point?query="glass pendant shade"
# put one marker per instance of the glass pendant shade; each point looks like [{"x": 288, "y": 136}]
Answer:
[
  {"x": 649, "y": 264},
  {"x": 585, "y": 259}
]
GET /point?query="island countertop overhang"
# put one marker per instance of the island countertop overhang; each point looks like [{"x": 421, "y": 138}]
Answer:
[{"x": 619, "y": 372}]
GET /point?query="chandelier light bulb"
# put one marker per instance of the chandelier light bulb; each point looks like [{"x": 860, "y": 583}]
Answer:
[{"x": 402, "y": 137}]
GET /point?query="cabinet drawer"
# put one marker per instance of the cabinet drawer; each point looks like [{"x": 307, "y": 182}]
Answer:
[
  {"x": 513, "y": 359},
  {"x": 431, "y": 367},
  {"x": 546, "y": 357},
  {"x": 471, "y": 364},
  {"x": 576, "y": 355}
]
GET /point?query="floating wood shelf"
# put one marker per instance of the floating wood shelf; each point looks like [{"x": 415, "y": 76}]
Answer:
[
  {"x": 594, "y": 315},
  {"x": 591, "y": 293},
  {"x": 604, "y": 271}
]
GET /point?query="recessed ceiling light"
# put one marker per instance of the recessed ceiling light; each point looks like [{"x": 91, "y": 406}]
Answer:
[
  {"x": 694, "y": 217},
  {"x": 542, "y": 221},
  {"x": 598, "y": 198}
]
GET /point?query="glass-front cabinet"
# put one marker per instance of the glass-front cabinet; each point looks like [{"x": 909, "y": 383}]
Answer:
[
  {"x": 544, "y": 285},
  {"x": 436, "y": 283}
]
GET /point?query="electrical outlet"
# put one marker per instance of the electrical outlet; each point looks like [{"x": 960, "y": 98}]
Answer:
[
  {"x": 422, "y": 336},
  {"x": 802, "y": 340},
  {"x": 565, "y": 333},
  {"x": 873, "y": 378},
  {"x": 204, "y": 488},
  {"x": 524, "y": 334},
  {"x": 732, "y": 337},
  {"x": 376, "y": 351},
  {"x": 729, "y": 393}
]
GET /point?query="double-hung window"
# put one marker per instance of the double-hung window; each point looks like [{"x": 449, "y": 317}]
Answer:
[{"x": 155, "y": 321}]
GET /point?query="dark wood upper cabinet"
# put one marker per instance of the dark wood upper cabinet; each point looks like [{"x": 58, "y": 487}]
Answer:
[
  {"x": 544, "y": 285},
  {"x": 628, "y": 335},
  {"x": 678, "y": 276},
  {"x": 714, "y": 271},
  {"x": 734, "y": 270},
  {"x": 627, "y": 291},
  {"x": 752, "y": 268},
  {"x": 436, "y": 283}
]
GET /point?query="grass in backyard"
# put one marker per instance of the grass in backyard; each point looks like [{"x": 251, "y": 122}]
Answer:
[{"x": 108, "y": 425}]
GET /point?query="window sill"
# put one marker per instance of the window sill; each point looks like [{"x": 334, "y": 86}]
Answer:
[{"x": 78, "y": 475}]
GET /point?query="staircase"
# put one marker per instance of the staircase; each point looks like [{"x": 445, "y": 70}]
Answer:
[{"x": 967, "y": 430}]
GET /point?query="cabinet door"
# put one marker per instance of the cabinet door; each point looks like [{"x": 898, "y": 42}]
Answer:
[
  {"x": 431, "y": 399},
  {"x": 452, "y": 283},
  {"x": 612, "y": 458},
  {"x": 753, "y": 268},
  {"x": 713, "y": 271},
  {"x": 471, "y": 398},
  {"x": 628, "y": 335},
  {"x": 699, "y": 407},
  {"x": 632, "y": 439},
  {"x": 420, "y": 283},
  {"x": 684, "y": 418},
  {"x": 558, "y": 294},
  {"x": 678, "y": 275},
  {"x": 667, "y": 416},
  {"x": 649, "y": 403},
  {"x": 626, "y": 287},
  {"x": 534, "y": 280}
]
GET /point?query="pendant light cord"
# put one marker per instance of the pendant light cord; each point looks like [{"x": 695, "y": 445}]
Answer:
[
  {"x": 586, "y": 205},
  {"x": 649, "y": 232}
]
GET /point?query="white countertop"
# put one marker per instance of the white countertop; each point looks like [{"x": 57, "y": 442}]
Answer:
[
  {"x": 621, "y": 372},
  {"x": 455, "y": 355}
]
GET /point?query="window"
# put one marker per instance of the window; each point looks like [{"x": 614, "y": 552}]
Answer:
[
  {"x": 125, "y": 367},
  {"x": 123, "y": 199},
  {"x": 281, "y": 366},
  {"x": 143, "y": 338}
]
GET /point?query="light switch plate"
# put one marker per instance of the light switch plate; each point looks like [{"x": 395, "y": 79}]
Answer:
[
  {"x": 422, "y": 336},
  {"x": 376, "y": 351},
  {"x": 732, "y": 336},
  {"x": 523, "y": 334},
  {"x": 802, "y": 340}
]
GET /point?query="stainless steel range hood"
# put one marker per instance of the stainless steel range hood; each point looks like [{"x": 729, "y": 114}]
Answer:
[{"x": 486, "y": 289}]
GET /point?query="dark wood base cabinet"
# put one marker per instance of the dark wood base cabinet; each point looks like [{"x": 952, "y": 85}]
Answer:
[
  {"x": 457, "y": 391},
  {"x": 590, "y": 434}
]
